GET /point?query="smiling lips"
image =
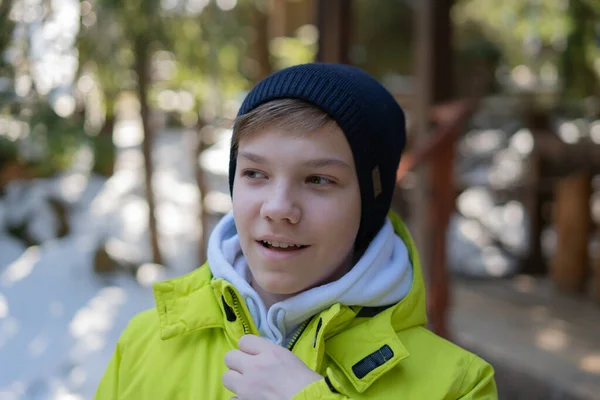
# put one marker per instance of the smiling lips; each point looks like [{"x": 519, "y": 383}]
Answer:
[{"x": 274, "y": 245}]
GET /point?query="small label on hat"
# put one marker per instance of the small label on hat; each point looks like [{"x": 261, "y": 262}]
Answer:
[{"x": 376, "y": 177}]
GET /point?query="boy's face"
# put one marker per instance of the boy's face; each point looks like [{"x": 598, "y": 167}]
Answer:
[{"x": 296, "y": 205}]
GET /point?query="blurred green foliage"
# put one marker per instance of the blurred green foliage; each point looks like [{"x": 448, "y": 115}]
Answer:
[
  {"x": 201, "y": 57},
  {"x": 51, "y": 145}
]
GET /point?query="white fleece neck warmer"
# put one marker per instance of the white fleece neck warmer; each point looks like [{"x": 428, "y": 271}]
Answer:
[{"x": 383, "y": 276}]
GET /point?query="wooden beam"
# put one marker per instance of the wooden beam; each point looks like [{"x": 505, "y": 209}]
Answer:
[
  {"x": 333, "y": 22},
  {"x": 572, "y": 222},
  {"x": 433, "y": 195},
  {"x": 442, "y": 55},
  {"x": 420, "y": 131},
  {"x": 596, "y": 271},
  {"x": 533, "y": 263}
]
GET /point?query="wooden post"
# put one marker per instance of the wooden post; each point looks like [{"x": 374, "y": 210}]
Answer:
[
  {"x": 441, "y": 204},
  {"x": 534, "y": 195},
  {"x": 277, "y": 23},
  {"x": 596, "y": 271},
  {"x": 333, "y": 22},
  {"x": 435, "y": 184},
  {"x": 442, "y": 55},
  {"x": 262, "y": 23},
  {"x": 423, "y": 93},
  {"x": 533, "y": 263},
  {"x": 572, "y": 222}
]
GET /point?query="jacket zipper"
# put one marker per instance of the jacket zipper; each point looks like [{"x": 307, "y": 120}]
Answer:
[
  {"x": 246, "y": 328},
  {"x": 298, "y": 333},
  {"x": 237, "y": 311}
]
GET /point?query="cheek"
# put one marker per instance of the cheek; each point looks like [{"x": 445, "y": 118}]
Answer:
[
  {"x": 245, "y": 206},
  {"x": 338, "y": 222}
]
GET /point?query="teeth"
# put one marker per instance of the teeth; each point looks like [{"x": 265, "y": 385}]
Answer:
[{"x": 281, "y": 244}]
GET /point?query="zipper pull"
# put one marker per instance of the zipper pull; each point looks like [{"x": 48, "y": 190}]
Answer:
[
  {"x": 229, "y": 313},
  {"x": 317, "y": 332}
]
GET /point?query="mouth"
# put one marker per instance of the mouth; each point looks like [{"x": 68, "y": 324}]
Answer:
[{"x": 281, "y": 246}]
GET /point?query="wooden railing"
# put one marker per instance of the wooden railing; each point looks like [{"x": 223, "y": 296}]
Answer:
[
  {"x": 561, "y": 174},
  {"x": 439, "y": 154}
]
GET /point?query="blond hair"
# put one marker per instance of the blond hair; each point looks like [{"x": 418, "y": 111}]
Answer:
[{"x": 292, "y": 115}]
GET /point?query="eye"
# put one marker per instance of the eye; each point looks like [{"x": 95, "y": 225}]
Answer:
[
  {"x": 319, "y": 180},
  {"x": 252, "y": 174}
]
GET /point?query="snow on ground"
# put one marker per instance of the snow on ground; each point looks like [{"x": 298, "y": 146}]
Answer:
[
  {"x": 10, "y": 249},
  {"x": 60, "y": 321}
]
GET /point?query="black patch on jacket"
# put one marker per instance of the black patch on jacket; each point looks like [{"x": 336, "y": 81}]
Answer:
[{"x": 372, "y": 361}]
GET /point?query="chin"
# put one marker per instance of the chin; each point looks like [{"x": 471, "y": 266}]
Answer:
[{"x": 278, "y": 286}]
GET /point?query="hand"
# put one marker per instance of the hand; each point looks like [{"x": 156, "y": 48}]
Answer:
[{"x": 261, "y": 370}]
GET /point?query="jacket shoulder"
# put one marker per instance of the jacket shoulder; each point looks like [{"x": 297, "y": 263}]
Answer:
[
  {"x": 144, "y": 320},
  {"x": 423, "y": 339},
  {"x": 144, "y": 326},
  {"x": 436, "y": 358}
]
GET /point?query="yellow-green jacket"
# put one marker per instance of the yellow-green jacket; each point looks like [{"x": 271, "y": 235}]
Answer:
[{"x": 177, "y": 350}]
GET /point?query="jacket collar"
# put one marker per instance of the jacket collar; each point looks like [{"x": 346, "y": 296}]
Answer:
[
  {"x": 196, "y": 301},
  {"x": 378, "y": 349}
]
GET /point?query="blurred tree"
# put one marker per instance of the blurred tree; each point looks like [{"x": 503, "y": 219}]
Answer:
[
  {"x": 382, "y": 37},
  {"x": 7, "y": 26},
  {"x": 186, "y": 61},
  {"x": 576, "y": 62},
  {"x": 103, "y": 55},
  {"x": 537, "y": 34},
  {"x": 7, "y": 147},
  {"x": 476, "y": 61},
  {"x": 40, "y": 133},
  {"x": 140, "y": 27}
]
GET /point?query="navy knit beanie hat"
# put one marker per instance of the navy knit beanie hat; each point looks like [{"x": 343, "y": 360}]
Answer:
[{"x": 370, "y": 117}]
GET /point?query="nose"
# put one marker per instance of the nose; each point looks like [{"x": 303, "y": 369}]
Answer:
[{"x": 281, "y": 206}]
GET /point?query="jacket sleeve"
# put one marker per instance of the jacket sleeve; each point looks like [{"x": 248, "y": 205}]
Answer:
[
  {"x": 478, "y": 382},
  {"x": 108, "y": 388}
]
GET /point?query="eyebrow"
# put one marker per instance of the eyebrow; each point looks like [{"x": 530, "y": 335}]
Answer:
[
  {"x": 326, "y": 162},
  {"x": 316, "y": 163},
  {"x": 252, "y": 157}
]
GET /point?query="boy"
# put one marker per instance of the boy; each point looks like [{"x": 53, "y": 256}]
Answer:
[{"x": 311, "y": 290}]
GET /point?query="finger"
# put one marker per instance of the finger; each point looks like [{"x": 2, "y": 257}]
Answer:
[
  {"x": 254, "y": 345},
  {"x": 231, "y": 380},
  {"x": 236, "y": 360}
]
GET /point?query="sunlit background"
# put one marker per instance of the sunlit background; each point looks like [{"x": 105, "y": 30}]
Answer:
[{"x": 101, "y": 100}]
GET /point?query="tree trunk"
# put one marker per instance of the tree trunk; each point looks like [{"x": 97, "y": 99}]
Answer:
[
  {"x": 6, "y": 25},
  {"x": 579, "y": 78},
  {"x": 104, "y": 148},
  {"x": 142, "y": 62},
  {"x": 109, "y": 121},
  {"x": 204, "y": 215}
]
